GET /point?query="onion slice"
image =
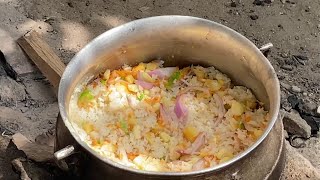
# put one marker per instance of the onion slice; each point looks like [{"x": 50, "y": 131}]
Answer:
[
  {"x": 164, "y": 114},
  {"x": 200, "y": 164},
  {"x": 162, "y": 73},
  {"x": 180, "y": 109},
  {"x": 144, "y": 85},
  {"x": 221, "y": 109},
  {"x": 196, "y": 145}
]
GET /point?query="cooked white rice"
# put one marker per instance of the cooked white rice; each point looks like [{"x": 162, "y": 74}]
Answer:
[{"x": 120, "y": 117}]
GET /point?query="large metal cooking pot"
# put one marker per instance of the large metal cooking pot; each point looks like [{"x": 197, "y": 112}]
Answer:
[{"x": 178, "y": 40}]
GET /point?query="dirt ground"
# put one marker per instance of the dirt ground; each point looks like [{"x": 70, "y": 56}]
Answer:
[{"x": 293, "y": 26}]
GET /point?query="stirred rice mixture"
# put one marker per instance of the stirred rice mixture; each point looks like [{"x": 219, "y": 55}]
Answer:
[{"x": 157, "y": 118}]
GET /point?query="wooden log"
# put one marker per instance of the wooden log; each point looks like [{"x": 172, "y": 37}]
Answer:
[{"x": 43, "y": 56}]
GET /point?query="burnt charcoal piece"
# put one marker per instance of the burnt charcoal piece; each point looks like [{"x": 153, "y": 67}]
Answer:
[
  {"x": 258, "y": 2},
  {"x": 254, "y": 17},
  {"x": 294, "y": 101},
  {"x": 313, "y": 122},
  {"x": 8, "y": 69}
]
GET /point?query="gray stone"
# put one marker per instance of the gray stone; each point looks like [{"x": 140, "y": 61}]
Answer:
[
  {"x": 39, "y": 90},
  {"x": 14, "y": 24},
  {"x": 31, "y": 123},
  {"x": 318, "y": 110},
  {"x": 34, "y": 151},
  {"x": 296, "y": 89},
  {"x": 11, "y": 91},
  {"x": 286, "y": 86},
  {"x": 298, "y": 167},
  {"x": 287, "y": 67},
  {"x": 294, "y": 124},
  {"x": 15, "y": 61},
  {"x": 15, "y": 121},
  {"x": 298, "y": 142},
  {"x": 312, "y": 151},
  {"x": 310, "y": 107}
]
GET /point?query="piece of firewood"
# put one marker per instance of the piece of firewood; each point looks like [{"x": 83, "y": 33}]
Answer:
[{"x": 43, "y": 56}]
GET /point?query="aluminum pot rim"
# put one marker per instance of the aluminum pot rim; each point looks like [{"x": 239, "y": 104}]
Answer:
[{"x": 96, "y": 40}]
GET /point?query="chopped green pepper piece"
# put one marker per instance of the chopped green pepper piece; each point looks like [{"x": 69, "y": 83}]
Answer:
[
  {"x": 103, "y": 82},
  {"x": 242, "y": 126},
  {"x": 85, "y": 98},
  {"x": 124, "y": 126},
  {"x": 175, "y": 76},
  {"x": 140, "y": 97}
]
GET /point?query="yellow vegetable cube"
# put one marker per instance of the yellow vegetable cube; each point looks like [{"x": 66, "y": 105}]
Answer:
[
  {"x": 129, "y": 78},
  {"x": 237, "y": 108},
  {"x": 133, "y": 88},
  {"x": 214, "y": 85},
  {"x": 199, "y": 73},
  {"x": 223, "y": 152},
  {"x": 221, "y": 82},
  {"x": 87, "y": 127},
  {"x": 190, "y": 133},
  {"x": 132, "y": 120},
  {"x": 152, "y": 66},
  {"x": 149, "y": 136},
  {"x": 164, "y": 136},
  {"x": 156, "y": 106},
  {"x": 140, "y": 67},
  {"x": 257, "y": 133}
]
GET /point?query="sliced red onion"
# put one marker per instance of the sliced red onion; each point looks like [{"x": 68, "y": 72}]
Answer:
[
  {"x": 164, "y": 114},
  {"x": 180, "y": 109},
  {"x": 196, "y": 145},
  {"x": 163, "y": 72},
  {"x": 139, "y": 76},
  {"x": 221, "y": 109},
  {"x": 144, "y": 85},
  {"x": 200, "y": 164}
]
